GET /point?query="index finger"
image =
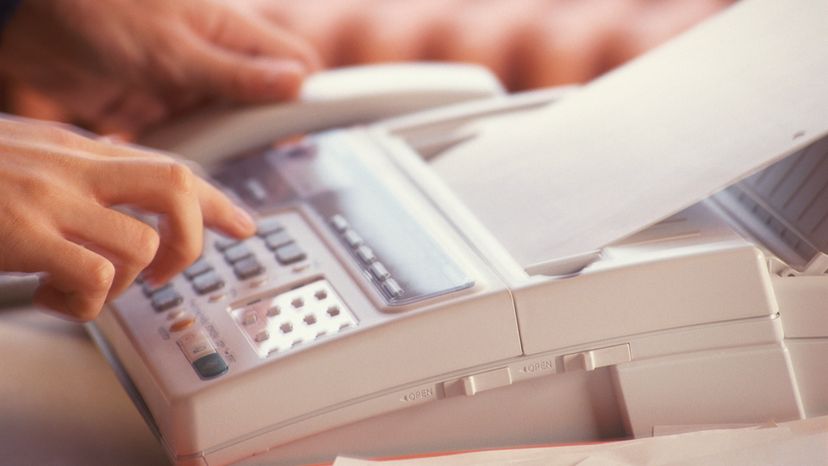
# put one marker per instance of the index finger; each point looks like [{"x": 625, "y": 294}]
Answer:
[
  {"x": 218, "y": 211},
  {"x": 160, "y": 186}
]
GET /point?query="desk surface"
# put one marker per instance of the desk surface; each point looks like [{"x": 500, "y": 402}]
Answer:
[{"x": 60, "y": 403}]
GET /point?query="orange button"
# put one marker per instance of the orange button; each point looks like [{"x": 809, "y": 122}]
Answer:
[{"x": 182, "y": 324}]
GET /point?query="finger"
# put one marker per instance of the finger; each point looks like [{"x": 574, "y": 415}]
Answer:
[
  {"x": 77, "y": 281},
  {"x": 570, "y": 42},
  {"x": 131, "y": 114},
  {"x": 242, "y": 78},
  {"x": 55, "y": 137},
  {"x": 129, "y": 244},
  {"x": 252, "y": 35},
  {"x": 502, "y": 23},
  {"x": 137, "y": 163},
  {"x": 396, "y": 31},
  {"x": 160, "y": 186},
  {"x": 218, "y": 211},
  {"x": 325, "y": 24},
  {"x": 221, "y": 213}
]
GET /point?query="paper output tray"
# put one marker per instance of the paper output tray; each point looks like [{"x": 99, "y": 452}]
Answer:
[{"x": 723, "y": 102}]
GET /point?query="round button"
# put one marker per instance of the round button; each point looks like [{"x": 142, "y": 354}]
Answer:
[{"x": 182, "y": 324}]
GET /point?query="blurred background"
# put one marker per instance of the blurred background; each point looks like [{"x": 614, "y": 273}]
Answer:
[{"x": 527, "y": 43}]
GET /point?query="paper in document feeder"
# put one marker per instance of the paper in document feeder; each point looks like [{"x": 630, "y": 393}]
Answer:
[{"x": 641, "y": 143}]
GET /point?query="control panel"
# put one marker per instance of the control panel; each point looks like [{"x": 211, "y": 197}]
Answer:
[
  {"x": 352, "y": 193},
  {"x": 333, "y": 243},
  {"x": 231, "y": 270}
]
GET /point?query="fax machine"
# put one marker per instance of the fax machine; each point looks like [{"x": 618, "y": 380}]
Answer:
[{"x": 647, "y": 251}]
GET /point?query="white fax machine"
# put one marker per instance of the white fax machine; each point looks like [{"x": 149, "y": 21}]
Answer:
[{"x": 648, "y": 251}]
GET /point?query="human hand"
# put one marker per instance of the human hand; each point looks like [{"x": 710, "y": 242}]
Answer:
[
  {"x": 527, "y": 43},
  {"x": 122, "y": 65},
  {"x": 57, "y": 193}
]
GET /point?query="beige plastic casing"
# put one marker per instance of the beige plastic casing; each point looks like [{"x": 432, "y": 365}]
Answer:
[{"x": 686, "y": 323}]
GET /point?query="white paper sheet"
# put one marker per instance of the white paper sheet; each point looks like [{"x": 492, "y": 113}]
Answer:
[
  {"x": 788, "y": 444},
  {"x": 654, "y": 137}
]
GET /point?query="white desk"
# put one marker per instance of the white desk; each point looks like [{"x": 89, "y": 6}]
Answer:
[{"x": 60, "y": 403}]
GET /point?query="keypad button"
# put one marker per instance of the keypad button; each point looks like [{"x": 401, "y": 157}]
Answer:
[
  {"x": 149, "y": 289},
  {"x": 166, "y": 299},
  {"x": 209, "y": 366},
  {"x": 392, "y": 288},
  {"x": 182, "y": 324},
  {"x": 223, "y": 243},
  {"x": 290, "y": 254},
  {"x": 379, "y": 271},
  {"x": 248, "y": 268},
  {"x": 255, "y": 190},
  {"x": 365, "y": 254},
  {"x": 207, "y": 283},
  {"x": 268, "y": 226},
  {"x": 250, "y": 318},
  {"x": 195, "y": 345},
  {"x": 339, "y": 223},
  {"x": 199, "y": 267},
  {"x": 352, "y": 238},
  {"x": 261, "y": 336},
  {"x": 237, "y": 253},
  {"x": 275, "y": 240}
]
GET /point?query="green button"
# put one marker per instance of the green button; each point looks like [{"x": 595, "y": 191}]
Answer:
[{"x": 210, "y": 366}]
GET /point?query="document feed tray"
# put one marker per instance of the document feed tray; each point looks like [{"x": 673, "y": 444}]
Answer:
[
  {"x": 786, "y": 207},
  {"x": 652, "y": 138}
]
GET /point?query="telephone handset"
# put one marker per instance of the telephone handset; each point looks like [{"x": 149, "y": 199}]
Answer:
[{"x": 328, "y": 99}]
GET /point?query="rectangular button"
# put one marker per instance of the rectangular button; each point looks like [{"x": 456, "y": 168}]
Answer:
[
  {"x": 222, "y": 243},
  {"x": 150, "y": 289},
  {"x": 275, "y": 240},
  {"x": 196, "y": 345},
  {"x": 166, "y": 299},
  {"x": 339, "y": 223},
  {"x": 237, "y": 253},
  {"x": 379, "y": 271},
  {"x": 210, "y": 365},
  {"x": 289, "y": 254},
  {"x": 247, "y": 268},
  {"x": 601, "y": 357},
  {"x": 207, "y": 283},
  {"x": 392, "y": 288},
  {"x": 352, "y": 238},
  {"x": 477, "y": 383},
  {"x": 198, "y": 268},
  {"x": 255, "y": 190},
  {"x": 268, "y": 226},
  {"x": 365, "y": 254}
]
